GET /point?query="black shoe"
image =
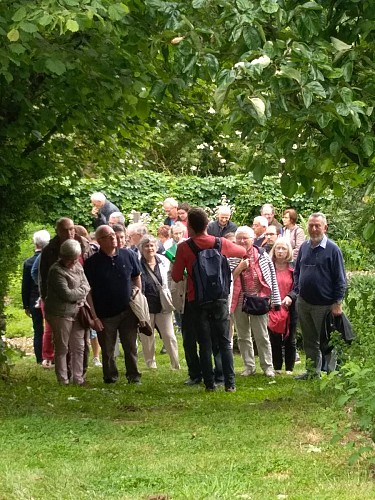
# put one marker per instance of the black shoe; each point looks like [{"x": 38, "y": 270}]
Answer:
[
  {"x": 230, "y": 389},
  {"x": 163, "y": 350},
  {"x": 193, "y": 381},
  {"x": 211, "y": 388},
  {"x": 110, "y": 380},
  {"x": 135, "y": 381}
]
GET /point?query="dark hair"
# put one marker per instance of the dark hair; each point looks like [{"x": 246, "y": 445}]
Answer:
[
  {"x": 184, "y": 206},
  {"x": 293, "y": 216},
  {"x": 197, "y": 219},
  {"x": 118, "y": 227},
  {"x": 163, "y": 231}
]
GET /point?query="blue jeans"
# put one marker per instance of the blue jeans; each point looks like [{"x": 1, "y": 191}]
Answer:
[{"x": 212, "y": 327}]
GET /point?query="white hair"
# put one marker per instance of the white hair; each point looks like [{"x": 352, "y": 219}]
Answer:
[
  {"x": 321, "y": 215},
  {"x": 41, "y": 238},
  {"x": 262, "y": 220},
  {"x": 70, "y": 249},
  {"x": 269, "y": 206},
  {"x": 245, "y": 229},
  {"x": 171, "y": 201},
  {"x": 223, "y": 209},
  {"x": 178, "y": 226},
  {"x": 119, "y": 216},
  {"x": 98, "y": 197},
  {"x": 138, "y": 228}
]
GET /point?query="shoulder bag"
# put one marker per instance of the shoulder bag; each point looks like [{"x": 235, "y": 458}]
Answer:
[
  {"x": 164, "y": 293},
  {"x": 252, "y": 304}
]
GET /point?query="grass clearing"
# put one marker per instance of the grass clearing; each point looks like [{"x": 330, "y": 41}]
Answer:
[{"x": 165, "y": 440}]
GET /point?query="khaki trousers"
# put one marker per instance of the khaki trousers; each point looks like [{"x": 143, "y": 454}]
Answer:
[
  {"x": 249, "y": 326},
  {"x": 164, "y": 322},
  {"x": 68, "y": 336}
]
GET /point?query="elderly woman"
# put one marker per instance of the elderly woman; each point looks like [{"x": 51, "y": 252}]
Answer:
[
  {"x": 154, "y": 277},
  {"x": 67, "y": 289},
  {"x": 282, "y": 324},
  {"x": 292, "y": 232},
  {"x": 254, "y": 276}
]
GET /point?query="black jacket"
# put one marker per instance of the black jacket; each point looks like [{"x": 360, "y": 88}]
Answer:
[{"x": 339, "y": 324}]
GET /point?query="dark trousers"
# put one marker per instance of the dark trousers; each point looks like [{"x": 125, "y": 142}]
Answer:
[
  {"x": 209, "y": 325},
  {"x": 277, "y": 345},
  {"x": 38, "y": 327},
  {"x": 190, "y": 326},
  {"x": 126, "y": 324}
]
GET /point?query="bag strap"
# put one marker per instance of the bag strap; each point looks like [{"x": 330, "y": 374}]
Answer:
[
  {"x": 194, "y": 247},
  {"x": 152, "y": 275}
]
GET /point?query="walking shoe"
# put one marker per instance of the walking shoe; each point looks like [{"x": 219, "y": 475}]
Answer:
[
  {"x": 163, "y": 350},
  {"x": 248, "y": 372},
  {"x": 211, "y": 389},
  {"x": 193, "y": 381},
  {"x": 307, "y": 376},
  {"x": 96, "y": 362},
  {"x": 47, "y": 363},
  {"x": 269, "y": 373},
  {"x": 230, "y": 389},
  {"x": 288, "y": 372}
]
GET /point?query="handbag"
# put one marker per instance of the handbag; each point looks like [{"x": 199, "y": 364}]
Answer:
[
  {"x": 85, "y": 316},
  {"x": 252, "y": 304},
  {"x": 164, "y": 293}
]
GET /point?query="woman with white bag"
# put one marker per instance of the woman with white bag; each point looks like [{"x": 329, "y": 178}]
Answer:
[{"x": 155, "y": 288}]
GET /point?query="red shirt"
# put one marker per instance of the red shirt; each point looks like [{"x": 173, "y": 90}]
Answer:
[{"x": 185, "y": 257}]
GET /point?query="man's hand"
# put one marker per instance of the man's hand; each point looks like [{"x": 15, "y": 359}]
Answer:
[
  {"x": 336, "y": 309},
  {"x": 287, "y": 302},
  {"x": 98, "y": 325},
  {"x": 94, "y": 210}
]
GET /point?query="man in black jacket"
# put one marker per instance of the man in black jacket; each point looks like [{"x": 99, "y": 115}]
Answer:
[
  {"x": 102, "y": 209},
  {"x": 223, "y": 224}
]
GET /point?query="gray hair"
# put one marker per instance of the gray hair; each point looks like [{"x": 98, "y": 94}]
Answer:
[
  {"x": 41, "y": 238},
  {"x": 245, "y": 229},
  {"x": 138, "y": 228},
  {"x": 262, "y": 220},
  {"x": 179, "y": 226},
  {"x": 119, "y": 216},
  {"x": 224, "y": 209},
  {"x": 98, "y": 197},
  {"x": 147, "y": 238},
  {"x": 70, "y": 249},
  {"x": 321, "y": 215},
  {"x": 267, "y": 205}
]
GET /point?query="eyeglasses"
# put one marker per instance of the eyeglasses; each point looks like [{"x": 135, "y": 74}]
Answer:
[{"x": 270, "y": 234}]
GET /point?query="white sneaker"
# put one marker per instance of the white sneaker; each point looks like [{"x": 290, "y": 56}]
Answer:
[
  {"x": 96, "y": 362},
  {"x": 269, "y": 373},
  {"x": 289, "y": 373},
  {"x": 248, "y": 372},
  {"x": 46, "y": 363}
]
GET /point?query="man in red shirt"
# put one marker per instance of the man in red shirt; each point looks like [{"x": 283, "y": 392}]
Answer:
[{"x": 206, "y": 323}]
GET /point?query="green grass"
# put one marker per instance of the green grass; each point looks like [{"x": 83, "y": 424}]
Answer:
[{"x": 267, "y": 441}]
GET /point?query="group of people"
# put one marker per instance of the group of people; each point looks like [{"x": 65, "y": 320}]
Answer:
[{"x": 133, "y": 283}]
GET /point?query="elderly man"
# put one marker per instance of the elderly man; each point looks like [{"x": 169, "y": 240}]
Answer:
[
  {"x": 260, "y": 225},
  {"x": 64, "y": 231},
  {"x": 111, "y": 273},
  {"x": 30, "y": 292},
  {"x": 223, "y": 224},
  {"x": 116, "y": 218},
  {"x": 170, "y": 206},
  {"x": 135, "y": 233},
  {"x": 268, "y": 212},
  {"x": 102, "y": 209},
  {"x": 320, "y": 284}
]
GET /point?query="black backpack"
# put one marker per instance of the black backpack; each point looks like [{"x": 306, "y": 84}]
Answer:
[{"x": 211, "y": 273}]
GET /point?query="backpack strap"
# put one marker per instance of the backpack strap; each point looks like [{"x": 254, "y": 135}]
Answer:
[{"x": 195, "y": 249}]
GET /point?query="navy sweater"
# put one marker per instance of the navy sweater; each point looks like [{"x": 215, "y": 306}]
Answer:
[{"x": 319, "y": 275}]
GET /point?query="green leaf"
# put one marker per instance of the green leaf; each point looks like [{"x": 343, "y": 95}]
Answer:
[
  {"x": 13, "y": 35},
  {"x": 72, "y": 25},
  {"x": 55, "y": 66},
  {"x": 338, "y": 190},
  {"x": 190, "y": 64},
  {"x": 258, "y": 105},
  {"x": 334, "y": 148},
  {"x": 45, "y": 20},
  {"x": 288, "y": 185},
  {"x": 259, "y": 170},
  {"x": 117, "y": 11},
  {"x": 348, "y": 71},
  {"x": 316, "y": 88},
  {"x": 307, "y": 97},
  {"x": 158, "y": 90},
  {"x": 19, "y": 14},
  {"x": 342, "y": 109},
  {"x": 346, "y": 95},
  {"x": 143, "y": 109},
  {"x": 220, "y": 95},
  {"x": 323, "y": 119},
  {"x": 269, "y": 6},
  {"x": 369, "y": 230},
  {"x": 17, "y": 48},
  {"x": 243, "y": 4},
  {"x": 212, "y": 65},
  {"x": 367, "y": 145},
  {"x": 29, "y": 27},
  {"x": 311, "y": 6},
  {"x": 289, "y": 72},
  {"x": 339, "y": 45},
  {"x": 197, "y": 4}
]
